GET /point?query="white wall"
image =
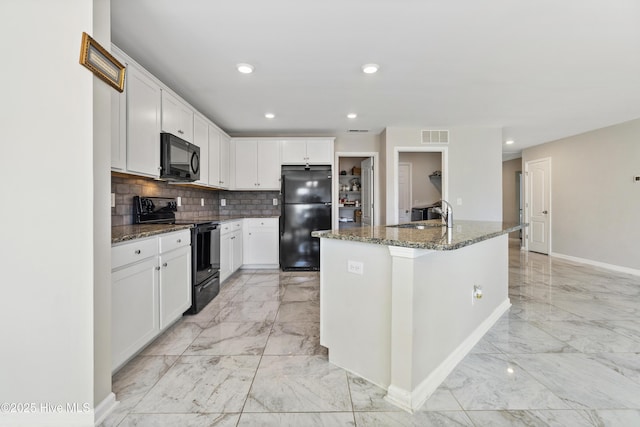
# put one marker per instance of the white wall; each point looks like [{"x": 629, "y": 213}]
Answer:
[
  {"x": 474, "y": 170},
  {"x": 46, "y": 260},
  {"x": 595, "y": 203},
  {"x": 102, "y": 94}
]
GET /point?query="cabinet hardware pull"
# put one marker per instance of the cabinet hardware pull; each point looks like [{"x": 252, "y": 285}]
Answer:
[
  {"x": 157, "y": 268},
  {"x": 164, "y": 264},
  {"x": 179, "y": 240},
  {"x": 138, "y": 251},
  {"x": 180, "y": 132}
]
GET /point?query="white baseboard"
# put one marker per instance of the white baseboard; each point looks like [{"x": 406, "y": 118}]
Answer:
[
  {"x": 593, "y": 263},
  {"x": 412, "y": 401},
  {"x": 105, "y": 407}
]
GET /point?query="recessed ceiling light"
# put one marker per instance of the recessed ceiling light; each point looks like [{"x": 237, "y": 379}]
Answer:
[
  {"x": 370, "y": 68},
  {"x": 509, "y": 141},
  {"x": 245, "y": 68},
  {"x": 270, "y": 115},
  {"x": 352, "y": 115}
]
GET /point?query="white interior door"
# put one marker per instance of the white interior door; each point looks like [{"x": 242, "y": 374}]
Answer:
[
  {"x": 404, "y": 192},
  {"x": 538, "y": 205},
  {"x": 366, "y": 181}
]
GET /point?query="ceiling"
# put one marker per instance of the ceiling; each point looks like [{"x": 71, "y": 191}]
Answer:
[{"x": 540, "y": 70}]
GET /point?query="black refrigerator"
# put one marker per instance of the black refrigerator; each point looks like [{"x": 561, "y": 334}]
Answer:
[{"x": 306, "y": 207}]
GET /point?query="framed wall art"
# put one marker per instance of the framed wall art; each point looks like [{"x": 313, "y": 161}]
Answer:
[{"x": 101, "y": 62}]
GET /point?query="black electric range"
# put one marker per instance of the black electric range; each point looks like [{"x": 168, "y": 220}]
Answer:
[{"x": 205, "y": 245}]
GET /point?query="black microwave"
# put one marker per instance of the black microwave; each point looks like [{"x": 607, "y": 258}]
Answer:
[{"x": 179, "y": 159}]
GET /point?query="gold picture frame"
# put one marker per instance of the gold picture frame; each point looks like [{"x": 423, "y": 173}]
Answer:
[{"x": 101, "y": 63}]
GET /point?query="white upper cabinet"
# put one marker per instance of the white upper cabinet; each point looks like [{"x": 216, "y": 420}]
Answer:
[
  {"x": 177, "y": 118},
  {"x": 146, "y": 108},
  {"x": 118, "y": 130},
  {"x": 143, "y": 123},
  {"x": 225, "y": 161},
  {"x": 257, "y": 164},
  {"x": 307, "y": 150},
  {"x": 201, "y": 139}
]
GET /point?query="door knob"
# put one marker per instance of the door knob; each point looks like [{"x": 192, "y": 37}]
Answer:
[{"x": 545, "y": 212}]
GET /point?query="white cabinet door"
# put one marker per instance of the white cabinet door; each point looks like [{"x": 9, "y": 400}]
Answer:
[
  {"x": 246, "y": 164},
  {"x": 143, "y": 124},
  {"x": 268, "y": 162},
  {"x": 236, "y": 239},
  {"x": 214, "y": 156},
  {"x": 201, "y": 139},
  {"x": 134, "y": 309},
  {"x": 261, "y": 243},
  {"x": 294, "y": 151},
  {"x": 302, "y": 151},
  {"x": 225, "y": 162},
  {"x": 175, "y": 284},
  {"x": 118, "y": 131},
  {"x": 226, "y": 266},
  {"x": 177, "y": 118},
  {"x": 320, "y": 151}
]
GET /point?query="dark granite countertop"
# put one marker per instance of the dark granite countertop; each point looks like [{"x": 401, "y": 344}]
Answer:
[
  {"x": 433, "y": 236},
  {"x": 123, "y": 233}
]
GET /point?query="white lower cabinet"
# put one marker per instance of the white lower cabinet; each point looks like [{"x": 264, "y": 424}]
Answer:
[
  {"x": 261, "y": 243},
  {"x": 134, "y": 302},
  {"x": 230, "y": 248},
  {"x": 175, "y": 294},
  {"x": 150, "y": 289}
]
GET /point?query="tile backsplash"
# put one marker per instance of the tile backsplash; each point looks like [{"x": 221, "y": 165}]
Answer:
[{"x": 238, "y": 203}]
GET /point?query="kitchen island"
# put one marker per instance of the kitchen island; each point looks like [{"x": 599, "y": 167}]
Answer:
[{"x": 402, "y": 305}]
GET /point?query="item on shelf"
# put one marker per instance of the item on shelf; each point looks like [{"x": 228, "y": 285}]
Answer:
[
  {"x": 345, "y": 219},
  {"x": 355, "y": 170},
  {"x": 343, "y": 172},
  {"x": 358, "y": 215}
]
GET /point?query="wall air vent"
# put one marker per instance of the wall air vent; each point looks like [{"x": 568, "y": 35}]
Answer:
[
  {"x": 435, "y": 136},
  {"x": 358, "y": 130}
]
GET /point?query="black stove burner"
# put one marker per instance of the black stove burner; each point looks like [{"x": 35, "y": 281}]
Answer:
[{"x": 157, "y": 210}]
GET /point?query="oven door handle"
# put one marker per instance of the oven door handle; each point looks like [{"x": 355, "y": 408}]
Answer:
[{"x": 207, "y": 229}]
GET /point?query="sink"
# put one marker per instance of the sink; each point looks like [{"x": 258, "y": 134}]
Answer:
[{"x": 418, "y": 226}]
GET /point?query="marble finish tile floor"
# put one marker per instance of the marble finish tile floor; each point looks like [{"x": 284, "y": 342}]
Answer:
[{"x": 566, "y": 354}]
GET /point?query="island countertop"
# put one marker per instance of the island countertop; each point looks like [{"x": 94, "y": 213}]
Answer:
[{"x": 433, "y": 236}]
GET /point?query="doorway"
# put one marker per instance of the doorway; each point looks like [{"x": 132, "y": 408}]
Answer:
[
  {"x": 355, "y": 190},
  {"x": 538, "y": 205},
  {"x": 428, "y": 180}
]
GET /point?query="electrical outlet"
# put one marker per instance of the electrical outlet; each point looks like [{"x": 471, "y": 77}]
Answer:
[
  {"x": 275, "y": 202},
  {"x": 179, "y": 200},
  {"x": 113, "y": 200},
  {"x": 355, "y": 267},
  {"x": 201, "y": 202},
  {"x": 459, "y": 201},
  {"x": 223, "y": 202}
]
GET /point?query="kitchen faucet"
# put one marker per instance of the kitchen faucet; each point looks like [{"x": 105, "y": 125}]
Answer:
[{"x": 447, "y": 214}]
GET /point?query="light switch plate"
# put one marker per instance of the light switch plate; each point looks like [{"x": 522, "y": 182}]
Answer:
[
  {"x": 275, "y": 202},
  {"x": 113, "y": 200},
  {"x": 459, "y": 201},
  {"x": 201, "y": 202},
  {"x": 179, "y": 200},
  {"x": 223, "y": 202}
]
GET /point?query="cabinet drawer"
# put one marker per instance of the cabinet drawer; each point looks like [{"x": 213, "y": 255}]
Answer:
[
  {"x": 230, "y": 227},
  {"x": 261, "y": 223},
  {"x": 137, "y": 250},
  {"x": 171, "y": 241}
]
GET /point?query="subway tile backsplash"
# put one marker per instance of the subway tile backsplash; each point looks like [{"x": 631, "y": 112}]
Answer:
[{"x": 238, "y": 203}]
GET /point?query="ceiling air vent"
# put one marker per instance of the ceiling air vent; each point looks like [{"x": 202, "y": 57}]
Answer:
[
  {"x": 435, "y": 136},
  {"x": 359, "y": 130}
]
